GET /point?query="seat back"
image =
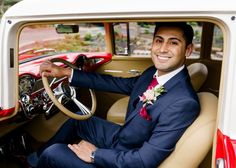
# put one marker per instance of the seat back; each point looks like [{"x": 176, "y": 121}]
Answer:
[
  {"x": 118, "y": 110},
  {"x": 197, "y": 140},
  {"x": 198, "y": 73}
]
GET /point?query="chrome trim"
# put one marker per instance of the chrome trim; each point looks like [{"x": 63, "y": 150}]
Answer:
[{"x": 220, "y": 163}]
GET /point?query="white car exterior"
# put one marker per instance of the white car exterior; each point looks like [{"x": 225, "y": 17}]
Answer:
[{"x": 223, "y": 13}]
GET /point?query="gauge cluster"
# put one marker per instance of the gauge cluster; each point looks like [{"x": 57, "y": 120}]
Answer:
[
  {"x": 26, "y": 84},
  {"x": 33, "y": 98}
]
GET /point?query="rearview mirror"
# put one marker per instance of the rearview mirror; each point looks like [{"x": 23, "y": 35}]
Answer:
[{"x": 67, "y": 29}]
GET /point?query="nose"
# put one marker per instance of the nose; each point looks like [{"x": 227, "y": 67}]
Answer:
[{"x": 164, "y": 47}]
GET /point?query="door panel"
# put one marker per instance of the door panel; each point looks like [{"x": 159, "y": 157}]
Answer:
[
  {"x": 121, "y": 66},
  {"x": 126, "y": 66}
]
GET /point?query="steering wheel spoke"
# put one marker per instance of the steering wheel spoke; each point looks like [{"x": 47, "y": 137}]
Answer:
[
  {"x": 60, "y": 98},
  {"x": 54, "y": 79},
  {"x": 58, "y": 91},
  {"x": 82, "y": 107}
]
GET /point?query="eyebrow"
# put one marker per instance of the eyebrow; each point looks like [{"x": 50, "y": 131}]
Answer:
[{"x": 172, "y": 38}]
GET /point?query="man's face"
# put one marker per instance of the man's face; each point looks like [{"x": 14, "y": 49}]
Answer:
[{"x": 169, "y": 49}]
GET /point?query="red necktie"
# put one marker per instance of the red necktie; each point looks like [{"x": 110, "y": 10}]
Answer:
[
  {"x": 143, "y": 111},
  {"x": 153, "y": 83}
]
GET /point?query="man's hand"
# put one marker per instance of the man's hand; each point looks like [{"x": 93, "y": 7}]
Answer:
[
  {"x": 83, "y": 150},
  {"x": 53, "y": 70}
]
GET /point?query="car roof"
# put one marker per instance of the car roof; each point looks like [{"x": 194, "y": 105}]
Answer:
[{"x": 105, "y": 7}]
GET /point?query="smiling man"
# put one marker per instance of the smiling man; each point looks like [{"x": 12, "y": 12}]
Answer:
[
  {"x": 171, "y": 46},
  {"x": 162, "y": 105}
]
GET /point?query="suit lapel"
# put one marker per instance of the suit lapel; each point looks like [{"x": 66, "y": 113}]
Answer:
[
  {"x": 183, "y": 74},
  {"x": 168, "y": 85},
  {"x": 139, "y": 88}
]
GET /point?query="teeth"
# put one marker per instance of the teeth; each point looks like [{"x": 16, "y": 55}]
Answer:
[{"x": 163, "y": 58}]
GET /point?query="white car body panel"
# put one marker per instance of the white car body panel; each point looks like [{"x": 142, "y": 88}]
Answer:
[{"x": 221, "y": 12}]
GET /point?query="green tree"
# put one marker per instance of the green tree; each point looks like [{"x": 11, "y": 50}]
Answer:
[
  {"x": 1, "y": 7},
  {"x": 5, "y": 4}
]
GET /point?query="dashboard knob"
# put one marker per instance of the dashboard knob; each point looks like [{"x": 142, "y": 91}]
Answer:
[
  {"x": 30, "y": 109},
  {"x": 25, "y": 98}
]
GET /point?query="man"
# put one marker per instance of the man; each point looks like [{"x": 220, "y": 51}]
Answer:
[{"x": 157, "y": 114}]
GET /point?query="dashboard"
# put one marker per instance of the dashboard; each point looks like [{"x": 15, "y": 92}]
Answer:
[{"x": 33, "y": 99}]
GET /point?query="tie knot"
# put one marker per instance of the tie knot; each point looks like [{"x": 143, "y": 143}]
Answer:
[{"x": 153, "y": 83}]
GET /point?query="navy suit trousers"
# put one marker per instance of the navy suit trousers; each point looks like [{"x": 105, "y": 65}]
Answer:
[{"x": 56, "y": 154}]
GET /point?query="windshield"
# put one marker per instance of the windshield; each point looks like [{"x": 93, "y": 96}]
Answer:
[{"x": 39, "y": 41}]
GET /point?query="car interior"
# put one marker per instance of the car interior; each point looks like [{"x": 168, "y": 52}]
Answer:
[{"x": 118, "y": 48}]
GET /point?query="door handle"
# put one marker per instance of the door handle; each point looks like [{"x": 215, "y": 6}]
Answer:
[
  {"x": 135, "y": 72},
  {"x": 113, "y": 71}
]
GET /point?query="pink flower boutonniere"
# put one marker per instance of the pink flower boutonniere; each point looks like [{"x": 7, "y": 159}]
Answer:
[{"x": 148, "y": 98}]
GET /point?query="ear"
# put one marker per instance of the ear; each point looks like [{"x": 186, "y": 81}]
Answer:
[{"x": 189, "y": 50}]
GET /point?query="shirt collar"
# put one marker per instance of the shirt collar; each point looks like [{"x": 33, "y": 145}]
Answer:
[{"x": 164, "y": 78}]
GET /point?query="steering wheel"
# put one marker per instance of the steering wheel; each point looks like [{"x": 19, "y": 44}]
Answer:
[{"x": 60, "y": 91}]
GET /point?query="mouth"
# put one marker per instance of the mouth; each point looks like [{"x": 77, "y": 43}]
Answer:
[{"x": 163, "y": 58}]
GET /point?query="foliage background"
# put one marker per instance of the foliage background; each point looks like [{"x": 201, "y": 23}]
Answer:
[{"x": 5, "y": 4}]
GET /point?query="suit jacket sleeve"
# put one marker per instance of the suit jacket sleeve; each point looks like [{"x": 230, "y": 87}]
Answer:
[
  {"x": 103, "y": 82},
  {"x": 167, "y": 131}
]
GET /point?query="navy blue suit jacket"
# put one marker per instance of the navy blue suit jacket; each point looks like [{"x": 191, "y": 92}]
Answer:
[{"x": 142, "y": 143}]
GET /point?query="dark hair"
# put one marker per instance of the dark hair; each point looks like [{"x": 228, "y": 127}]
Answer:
[{"x": 186, "y": 29}]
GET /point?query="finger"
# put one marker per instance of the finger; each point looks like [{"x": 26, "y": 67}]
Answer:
[
  {"x": 46, "y": 74},
  {"x": 44, "y": 67},
  {"x": 83, "y": 142},
  {"x": 86, "y": 143},
  {"x": 76, "y": 146},
  {"x": 73, "y": 148}
]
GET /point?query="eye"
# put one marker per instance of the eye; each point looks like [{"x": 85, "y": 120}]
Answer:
[
  {"x": 174, "y": 42},
  {"x": 158, "y": 41}
]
